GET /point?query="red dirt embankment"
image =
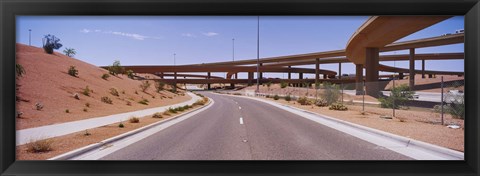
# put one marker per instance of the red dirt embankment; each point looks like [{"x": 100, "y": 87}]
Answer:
[{"x": 47, "y": 82}]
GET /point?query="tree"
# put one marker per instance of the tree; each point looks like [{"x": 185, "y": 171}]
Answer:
[
  {"x": 331, "y": 94},
  {"x": 70, "y": 52},
  {"x": 398, "y": 97},
  {"x": 50, "y": 42},
  {"x": 116, "y": 68},
  {"x": 130, "y": 74}
]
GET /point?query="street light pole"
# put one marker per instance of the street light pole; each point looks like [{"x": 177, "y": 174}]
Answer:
[
  {"x": 258, "y": 53},
  {"x": 29, "y": 37}
]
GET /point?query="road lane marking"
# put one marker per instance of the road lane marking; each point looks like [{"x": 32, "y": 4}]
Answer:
[{"x": 241, "y": 121}]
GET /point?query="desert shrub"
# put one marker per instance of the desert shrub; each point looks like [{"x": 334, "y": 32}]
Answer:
[
  {"x": 44, "y": 145},
  {"x": 130, "y": 74},
  {"x": 143, "y": 101},
  {"x": 166, "y": 113},
  {"x": 39, "y": 106},
  {"x": 106, "y": 100},
  {"x": 199, "y": 103},
  {"x": 276, "y": 97},
  {"x": 236, "y": 93},
  {"x": 303, "y": 101},
  {"x": 85, "y": 110},
  {"x": 134, "y": 120},
  {"x": 159, "y": 86},
  {"x": 19, "y": 70},
  {"x": 457, "y": 106},
  {"x": 50, "y": 42},
  {"x": 70, "y": 52},
  {"x": 86, "y": 91},
  {"x": 187, "y": 107},
  {"x": 267, "y": 96},
  {"x": 331, "y": 93},
  {"x": 114, "y": 92},
  {"x": 145, "y": 85},
  {"x": 180, "y": 108},
  {"x": 268, "y": 85},
  {"x": 121, "y": 125},
  {"x": 67, "y": 111},
  {"x": 116, "y": 68},
  {"x": 321, "y": 103},
  {"x": 172, "y": 110},
  {"x": 283, "y": 84},
  {"x": 129, "y": 103},
  {"x": 288, "y": 98},
  {"x": 398, "y": 97},
  {"x": 174, "y": 88},
  {"x": 157, "y": 115},
  {"x": 338, "y": 107},
  {"x": 72, "y": 71},
  {"x": 105, "y": 76}
]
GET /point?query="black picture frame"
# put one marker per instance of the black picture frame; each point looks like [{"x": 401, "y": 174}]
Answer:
[{"x": 9, "y": 9}]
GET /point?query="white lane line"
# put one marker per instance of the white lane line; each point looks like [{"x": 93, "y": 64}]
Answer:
[{"x": 241, "y": 121}]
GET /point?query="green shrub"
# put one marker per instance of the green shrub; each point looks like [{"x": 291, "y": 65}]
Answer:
[
  {"x": 116, "y": 68},
  {"x": 145, "y": 85},
  {"x": 130, "y": 74},
  {"x": 134, "y": 120},
  {"x": 106, "y": 100},
  {"x": 283, "y": 84},
  {"x": 121, "y": 125},
  {"x": 67, "y": 111},
  {"x": 70, "y": 52},
  {"x": 338, "y": 107},
  {"x": 72, "y": 71},
  {"x": 398, "y": 97},
  {"x": 304, "y": 101},
  {"x": 172, "y": 110},
  {"x": 86, "y": 91},
  {"x": 457, "y": 106},
  {"x": 288, "y": 98},
  {"x": 143, "y": 101},
  {"x": 85, "y": 110},
  {"x": 276, "y": 97},
  {"x": 180, "y": 108},
  {"x": 105, "y": 76},
  {"x": 114, "y": 92},
  {"x": 157, "y": 115},
  {"x": 44, "y": 145}
]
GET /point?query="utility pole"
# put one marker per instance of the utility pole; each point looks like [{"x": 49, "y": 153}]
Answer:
[
  {"x": 29, "y": 37},
  {"x": 258, "y": 53}
]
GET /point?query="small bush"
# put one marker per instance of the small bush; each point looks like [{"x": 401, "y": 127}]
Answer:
[
  {"x": 157, "y": 115},
  {"x": 85, "y": 110},
  {"x": 39, "y": 106},
  {"x": 116, "y": 68},
  {"x": 180, "y": 108},
  {"x": 166, "y": 113},
  {"x": 199, "y": 103},
  {"x": 145, "y": 85},
  {"x": 86, "y": 91},
  {"x": 67, "y": 111},
  {"x": 321, "y": 103},
  {"x": 123, "y": 91},
  {"x": 87, "y": 133},
  {"x": 72, "y": 71},
  {"x": 19, "y": 70},
  {"x": 283, "y": 84},
  {"x": 114, "y": 92},
  {"x": 106, "y": 100},
  {"x": 159, "y": 86},
  {"x": 288, "y": 98},
  {"x": 143, "y": 101},
  {"x": 399, "y": 96},
  {"x": 121, "y": 125},
  {"x": 304, "y": 101},
  {"x": 331, "y": 93},
  {"x": 129, "y": 103},
  {"x": 130, "y": 74},
  {"x": 172, "y": 110},
  {"x": 87, "y": 105},
  {"x": 187, "y": 107},
  {"x": 105, "y": 76},
  {"x": 134, "y": 120},
  {"x": 44, "y": 145},
  {"x": 276, "y": 97},
  {"x": 338, "y": 107}
]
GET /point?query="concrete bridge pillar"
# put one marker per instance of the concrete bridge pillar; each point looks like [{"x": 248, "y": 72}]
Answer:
[
  {"x": 400, "y": 76},
  {"x": 359, "y": 79},
  {"x": 372, "y": 85},
  {"x": 289, "y": 75},
  {"x": 339, "y": 70},
  {"x": 411, "y": 75},
  {"x": 208, "y": 84}
]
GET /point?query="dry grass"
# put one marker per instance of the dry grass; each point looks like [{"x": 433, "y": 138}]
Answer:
[
  {"x": 43, "y": 145},
  {"x": 134, "y": 120}
]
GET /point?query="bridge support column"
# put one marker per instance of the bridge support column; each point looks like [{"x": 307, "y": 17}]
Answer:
[
  {"x": 289, "y": 75},
  {"x": 208, "y": 84},
  {"x": 325, "y": 76},
  {"x": 317, "y": 69},
  {"x": 161, "y": 75},
  {"x": 372, "y": 85},
  {"x": 339, "y": 70},
  {"x": 430, "y": 75},
  {"x": 260, "y": 76},
  {"x": 411, "y": 75},
  {"x": 400, "y": 76},
  {"x": 250, "y": 78},
  {"x": 359, "y": 79},
  {"x": 423, "y": 68}
]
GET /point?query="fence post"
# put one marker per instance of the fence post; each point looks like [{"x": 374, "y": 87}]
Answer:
[
  {"x": 363, "y": 96},
  {"x": 441, "y": 85}
]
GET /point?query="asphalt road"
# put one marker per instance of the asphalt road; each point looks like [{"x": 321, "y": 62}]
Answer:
[{"x": 264, "y": 132}]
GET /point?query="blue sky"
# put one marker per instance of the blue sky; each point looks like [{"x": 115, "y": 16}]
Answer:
[{"x": 152, "y": 40}]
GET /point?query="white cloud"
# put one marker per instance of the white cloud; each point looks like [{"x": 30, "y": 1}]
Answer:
[
  {"x": 188, "y": 35},
  {"x": 124, "y": 34},
  {"x": 210, "y": 34}
]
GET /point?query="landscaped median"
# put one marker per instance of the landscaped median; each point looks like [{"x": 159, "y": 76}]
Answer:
[
  {"x": 446, "y": 141},
  {"x": 51, "y": 147}
]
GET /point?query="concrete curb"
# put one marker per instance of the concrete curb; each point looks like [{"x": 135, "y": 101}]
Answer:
[
  {"x": 105, "y": 142},
  {"x": 407, "y": 141}
]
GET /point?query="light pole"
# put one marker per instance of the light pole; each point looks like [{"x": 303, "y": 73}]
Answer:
[
  {"x": 29, "y": 37},
  {"x": 258, "y": 52}
]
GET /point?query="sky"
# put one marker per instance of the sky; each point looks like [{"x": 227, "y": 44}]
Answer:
[{"x": 153, "y": 40}]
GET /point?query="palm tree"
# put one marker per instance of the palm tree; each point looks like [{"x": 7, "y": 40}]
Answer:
[{"x": 70, "y": 52}]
